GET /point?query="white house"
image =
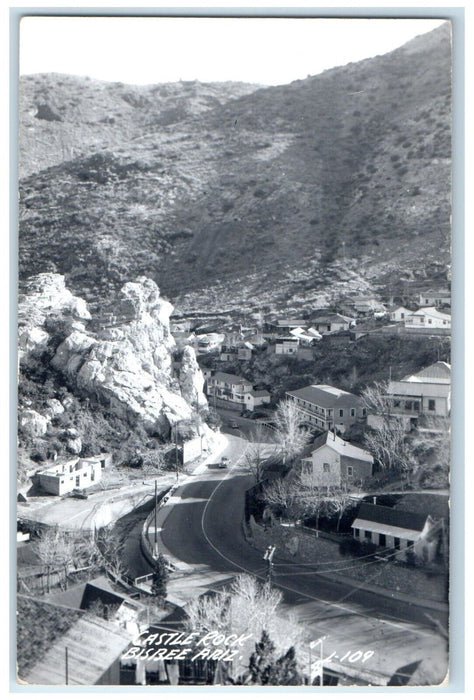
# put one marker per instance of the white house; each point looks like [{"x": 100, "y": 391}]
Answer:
[
  {"x": 287, "y": 345},
  {"x": 399, "y": 313},
  {"x": 230, "y": 387},
  {"x": 428, "y": 318},
  {"x": 397, "y": 530},
  {"x": 435, "y": 297},
  {"x": 63, "y": 477},
  {"x": 335, "y": 462},
  {"x": 426, "y": 392},
  {"x": 332, "y": 323}
]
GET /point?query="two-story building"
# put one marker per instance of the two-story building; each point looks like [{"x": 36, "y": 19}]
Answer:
[
  {"x": 324, "y": 407},
  {"x": 426, "y": 392},
  {"x": 237, "y": 390},
  {"x": 335, "y": 462}
]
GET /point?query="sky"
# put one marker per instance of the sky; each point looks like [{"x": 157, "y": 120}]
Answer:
[{"x": 266, "y": 51}]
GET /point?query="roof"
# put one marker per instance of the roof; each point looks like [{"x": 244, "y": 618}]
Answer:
[
  {"x": 260, "y": 392},
  {"x": 431, "y": 311},
  {"x": 44, "y": 632},
  {"x": 230, "y": 378},
  {"x": 287, "y": 322},
  {"x": 341, "y": 446},
  {"x": 326, "y": 396},
  {"x": 382, "y": 515},
  {"x": 436, "y": 292},
  {"x": 437, "y": 373},
  {"x": 331, "y": 316}
]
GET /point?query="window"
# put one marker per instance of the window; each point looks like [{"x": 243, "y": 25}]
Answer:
[
  {"x": 341, "y": 413},
  {"x": 78, "y": 479},
  {"x": 92, "y": 475},
  {"x": 353, "y": 412},
  {"x": 396, "y": 403},
  {"x": 408, "y": 405},
  {"x": 431, "y": 405},
  {"x": 368, "y": 535},
  {"x": 364, "y": 411},
  {"x": 416, "y": 405},
  {"x": 62, "y": 481},
  {"x": 410, "y": 543},
  {"x": 430, "y": 321},
  {"x": 402, "y": 315},
  {"x": 356, "y": 532},
  {"x": 382, "y": 540},
  {"x": 396, "y": 542},
  {"x": 350, "y": 471},
  {"x": 326, "y": 467}
]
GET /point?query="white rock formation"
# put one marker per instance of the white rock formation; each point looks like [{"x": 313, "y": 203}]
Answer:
[
  {"x": 191, "y": 380},
  {"x": 33, "y": 423},
  {"x": 127, "y": 365}
]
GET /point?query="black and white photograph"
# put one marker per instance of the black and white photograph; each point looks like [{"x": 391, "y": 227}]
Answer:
[{"x": 234, "y": 351}]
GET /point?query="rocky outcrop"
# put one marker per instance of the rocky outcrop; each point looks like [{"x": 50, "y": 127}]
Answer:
[
  {"x": 126, "y": 365},
  {"x": 191, "y": 379},
  {"x": 46, "y": 298},
  {"x": 32, "y": 423}
]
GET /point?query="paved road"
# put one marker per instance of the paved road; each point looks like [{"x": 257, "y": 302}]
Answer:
[
  {"x": 205, "y": 527},
  {"x": 202, "y": 527}
]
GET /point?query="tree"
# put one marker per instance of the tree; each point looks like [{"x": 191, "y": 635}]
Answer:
[
  {"x": 285, "y": 671},
  {"x": 290, "y": 435},
  {"x": 160, "y": 577},
  {"x": 56, "y": 550},
  {"x": 261, "y": 660},
  {"x": 255, "y": 454},
  {"x": 389, "y": 444},
  {"x": 108, "y": 552},
  {"x": 376, "y": 399}
]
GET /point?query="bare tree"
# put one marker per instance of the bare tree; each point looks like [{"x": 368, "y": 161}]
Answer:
[
  {"x": 56, "y": 550},
  {"x": 256, "y": 452},
  {"x": 290, "y": 435},
  {"x": 389, "y": 444},
  {"x": 108, "y": 552},
  {"x": 376, "y": 400}
]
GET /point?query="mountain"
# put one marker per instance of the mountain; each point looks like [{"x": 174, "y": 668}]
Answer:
[{"x": 235, "y": 196}]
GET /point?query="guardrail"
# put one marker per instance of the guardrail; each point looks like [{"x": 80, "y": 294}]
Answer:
[{"x": 145, "y": 543}]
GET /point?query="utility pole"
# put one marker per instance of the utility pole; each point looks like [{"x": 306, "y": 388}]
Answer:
[
  {"x": 67, "y": 668},
  {"x": 268, "y": 557}
]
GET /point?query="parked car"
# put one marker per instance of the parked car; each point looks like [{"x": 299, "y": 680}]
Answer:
[
  {"x": 79, "y": 493},
  {"x": 234, "y": 426}
]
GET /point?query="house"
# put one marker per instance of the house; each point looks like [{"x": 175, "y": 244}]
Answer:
[
  {"x": 207, "y": 342},
  {"x": 323, "y": 406},
  {"x": 228, "y": 353},
  {"x": 335, "y": 462},
  {"x": 330, "y": 322},
  {"x": 399, "y": 313},
  {"x": 237, "y": 390},
  {"x": 283, "y": 326},
  {"x": 46, "y": 632},
  {"x": 427, "y": 392},
  {"x": 428, "y": 318},
  {"x": 63, "y": 477},
  {"x": 367, "y": 305},
  {"x": 286, "y": 345},
  {"x": 398, "y": 530},
  {"x": 306, "y": 338},
  {"x": 435, "y": 297}
]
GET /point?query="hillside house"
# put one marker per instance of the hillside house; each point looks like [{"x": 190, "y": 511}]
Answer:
[
  {"x": 332, "y": 323},
  {"x": 335, "y": 462},
  {"x": 64, "y": 477},
  {"x": 367, "y": 305},
  {"x": 435, "y": 297},
  {"x": 426, "y": 393},
  {"x": 282, "y": 326},
  {"x": 398, "y": 314},
  {"x": 428, "y": 318},
  {"x": 324, "y": 407},
  {"x": 306, "y": 338},
  {"x": 286, "y": 345},
  {"x": 398, "y": 530},
  {"x": 237, "y": 390}
]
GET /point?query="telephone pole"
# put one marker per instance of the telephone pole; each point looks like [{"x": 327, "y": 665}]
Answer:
[{"x": 268, "y": 557}]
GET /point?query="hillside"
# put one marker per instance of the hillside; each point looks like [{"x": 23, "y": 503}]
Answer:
[{"x": 227, "y": 193}]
